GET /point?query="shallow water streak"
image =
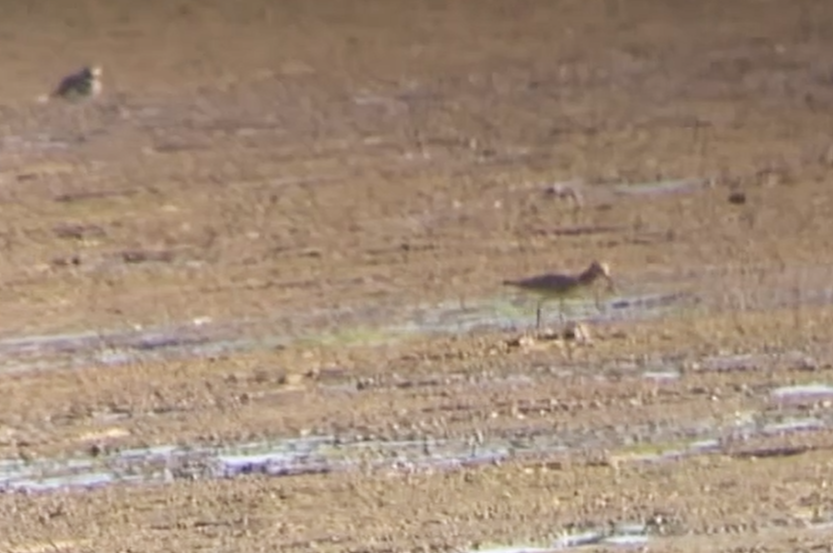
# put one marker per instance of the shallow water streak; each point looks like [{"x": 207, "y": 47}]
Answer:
[
  {"x": 205, "y": 339},
  {"x": 321, "y": 454}
]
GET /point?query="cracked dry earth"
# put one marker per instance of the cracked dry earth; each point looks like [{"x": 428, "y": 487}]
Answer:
[{"x": 251, "y": 295}]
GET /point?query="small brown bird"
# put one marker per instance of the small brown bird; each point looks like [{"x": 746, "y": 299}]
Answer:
[
  {"x": 562, "y": 286},
  {"x": 81, "y": 85}
]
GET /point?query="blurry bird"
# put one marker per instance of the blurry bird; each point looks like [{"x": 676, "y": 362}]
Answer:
[
  {"x": 562, "y": 286},
  {"x": 79, "y": 86}
]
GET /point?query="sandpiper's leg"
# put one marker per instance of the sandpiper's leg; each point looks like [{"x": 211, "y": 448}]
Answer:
[
  {"x": 561, "y": 310},
  {"x": 538, "y": 314}
]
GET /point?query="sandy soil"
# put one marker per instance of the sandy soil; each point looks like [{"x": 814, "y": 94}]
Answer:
[{"x": 292, "y": 221}]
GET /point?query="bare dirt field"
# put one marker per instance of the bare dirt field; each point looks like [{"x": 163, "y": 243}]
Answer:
[{"x": 251, "y": 296}]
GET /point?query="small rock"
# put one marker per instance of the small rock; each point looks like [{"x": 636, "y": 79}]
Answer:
[
  {"x": 290, "y": 379},
  {"x": 578, "y": 332},
  {"x": 565, "y": 191},
  {"x": 737, "y": 197},
  {"x": 521, "y": 342},
  {"x": 549, "y": 334}
]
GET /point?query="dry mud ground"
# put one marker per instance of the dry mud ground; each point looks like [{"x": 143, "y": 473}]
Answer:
[{"x": 251, "y": 296}]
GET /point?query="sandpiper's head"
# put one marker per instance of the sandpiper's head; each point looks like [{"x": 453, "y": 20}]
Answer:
[
  {"x": 93, "y": 71},
  {"x": 601, "y": 270}
]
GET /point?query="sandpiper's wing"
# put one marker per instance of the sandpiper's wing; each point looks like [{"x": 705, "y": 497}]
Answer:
[
  {"x": 67, "y": 85},
  {"x": 551, "y": 282}
]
